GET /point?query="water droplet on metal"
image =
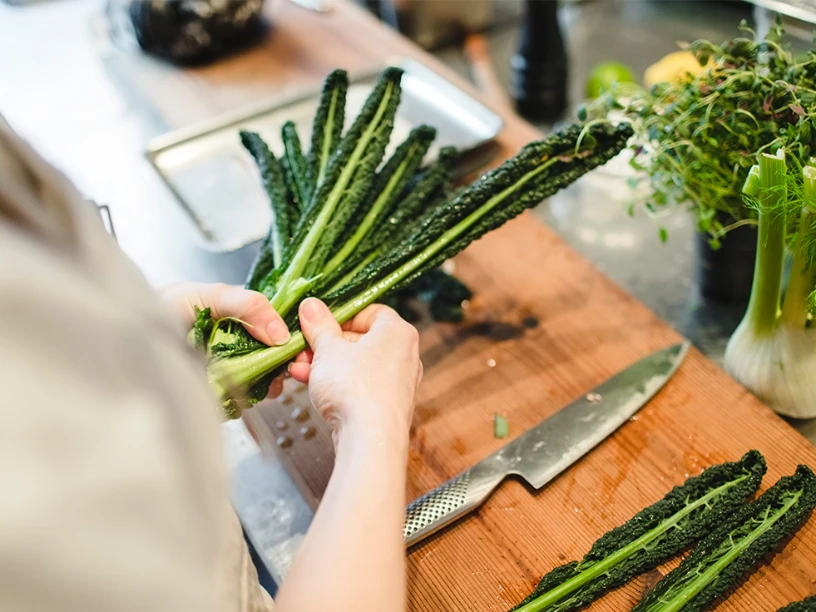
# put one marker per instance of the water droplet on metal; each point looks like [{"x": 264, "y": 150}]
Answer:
[
  {"x": 594, "y": 398},
  {"x": 307, "y": 431},
  {"x": 281, "y": 425},
  {"x": 284, "y": 441}
]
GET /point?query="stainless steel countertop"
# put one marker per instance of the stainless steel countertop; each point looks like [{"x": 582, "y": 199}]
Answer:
[{"x": 58, "y": 93}]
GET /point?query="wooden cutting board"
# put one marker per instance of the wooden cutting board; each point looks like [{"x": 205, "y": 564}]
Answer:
[{"x": 544, "y": 327}]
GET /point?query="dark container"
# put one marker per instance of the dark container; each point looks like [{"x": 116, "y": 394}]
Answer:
[
  {"x": 539, "y": 80},
  {"x": 189, "y": 32},
  {"x": 726, "y": 274}
]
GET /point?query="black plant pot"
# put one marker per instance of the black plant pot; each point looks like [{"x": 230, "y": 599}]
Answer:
[{"x": 726, "y": 274}]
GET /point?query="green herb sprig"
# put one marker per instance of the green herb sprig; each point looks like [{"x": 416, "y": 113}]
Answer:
[{"x": 697, "y": 139}]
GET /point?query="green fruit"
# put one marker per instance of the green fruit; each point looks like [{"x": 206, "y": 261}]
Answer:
[{"x": 606, "y": 74}]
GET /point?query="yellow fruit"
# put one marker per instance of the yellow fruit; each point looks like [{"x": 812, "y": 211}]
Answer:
[{"x": 672, "y": 68}]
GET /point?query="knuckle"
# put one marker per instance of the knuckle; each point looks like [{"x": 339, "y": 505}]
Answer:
[{"x": 409, "y": 331}]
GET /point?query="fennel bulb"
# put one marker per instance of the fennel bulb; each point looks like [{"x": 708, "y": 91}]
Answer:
[{"x": 772, "y": 353}]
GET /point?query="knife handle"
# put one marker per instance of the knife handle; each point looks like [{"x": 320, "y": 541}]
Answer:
[{"x": 447, "y": 503}]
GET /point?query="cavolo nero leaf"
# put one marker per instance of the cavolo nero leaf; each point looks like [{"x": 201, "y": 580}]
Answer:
[
  {"x": 806, "y": 605},
  {"x": 722, "y": 558},
  {"x": 277, "y": 239},
  {"x": 651, "y": 537},
  {"x": 327, "y": 126},
  {"x": 295, "y": 167}
]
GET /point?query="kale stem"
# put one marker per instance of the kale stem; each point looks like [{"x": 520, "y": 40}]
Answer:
[
  {"x": 352, "y": 273},
  {"x": 763, "y": 305},
  {"x": 289, "y": 295},
  {"x": 243, "y": 371},
  {"x": 325, "y": 150}
]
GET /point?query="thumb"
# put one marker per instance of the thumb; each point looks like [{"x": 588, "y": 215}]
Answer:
[{"x": 318, "y": 323}]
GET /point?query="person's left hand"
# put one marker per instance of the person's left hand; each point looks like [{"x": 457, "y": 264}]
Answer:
[{"x": 251, "y": 307}]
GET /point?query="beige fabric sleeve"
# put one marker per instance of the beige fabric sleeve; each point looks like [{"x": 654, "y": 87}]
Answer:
[{"x": 114, "y": 491}]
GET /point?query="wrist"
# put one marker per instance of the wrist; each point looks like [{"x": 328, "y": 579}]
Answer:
[{"x": 380, "y": 434}]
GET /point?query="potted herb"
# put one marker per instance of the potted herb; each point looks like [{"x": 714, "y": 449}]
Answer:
[{"x": 698, "y": 136}]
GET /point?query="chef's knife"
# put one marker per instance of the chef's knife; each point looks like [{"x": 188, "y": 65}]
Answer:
[{"x": 543, "y": 452}]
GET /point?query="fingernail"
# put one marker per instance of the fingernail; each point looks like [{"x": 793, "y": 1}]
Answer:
[
  {"x": 278, "y": 332},
  {"x": 312, "y": 309}
]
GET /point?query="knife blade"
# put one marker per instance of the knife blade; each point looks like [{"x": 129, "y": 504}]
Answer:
[{"x": 550, "y": 447}]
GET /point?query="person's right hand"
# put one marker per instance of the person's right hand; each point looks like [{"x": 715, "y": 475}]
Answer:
[{"x": 361, "y": 375}]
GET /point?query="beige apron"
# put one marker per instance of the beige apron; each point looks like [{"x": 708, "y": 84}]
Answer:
[{"x": 113, "y": 487}]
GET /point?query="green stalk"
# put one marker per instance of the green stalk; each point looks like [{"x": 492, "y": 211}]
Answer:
[
  {"x": 326, "y": 144},
  {"x": 763, "y": 306},
  {"x": 802, "y": 277},
  {"x": 599, "y": 569},
  {"x": 289, "y": 294},
  {"x": 241, "y": 372},
  {"x": 294, "y": 270},
  {"x": 353, "y": 272}
]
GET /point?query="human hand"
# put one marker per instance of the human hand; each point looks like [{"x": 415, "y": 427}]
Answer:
[
  {"x": 363, "y": 375},
  {"x": 251, "y": 307}
]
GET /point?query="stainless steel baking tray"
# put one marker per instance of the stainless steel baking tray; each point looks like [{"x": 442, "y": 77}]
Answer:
[{"x": 216, "y": 183}]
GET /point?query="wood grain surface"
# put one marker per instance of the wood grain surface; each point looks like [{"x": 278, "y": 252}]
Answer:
[{"x": 554, "y": 326}]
